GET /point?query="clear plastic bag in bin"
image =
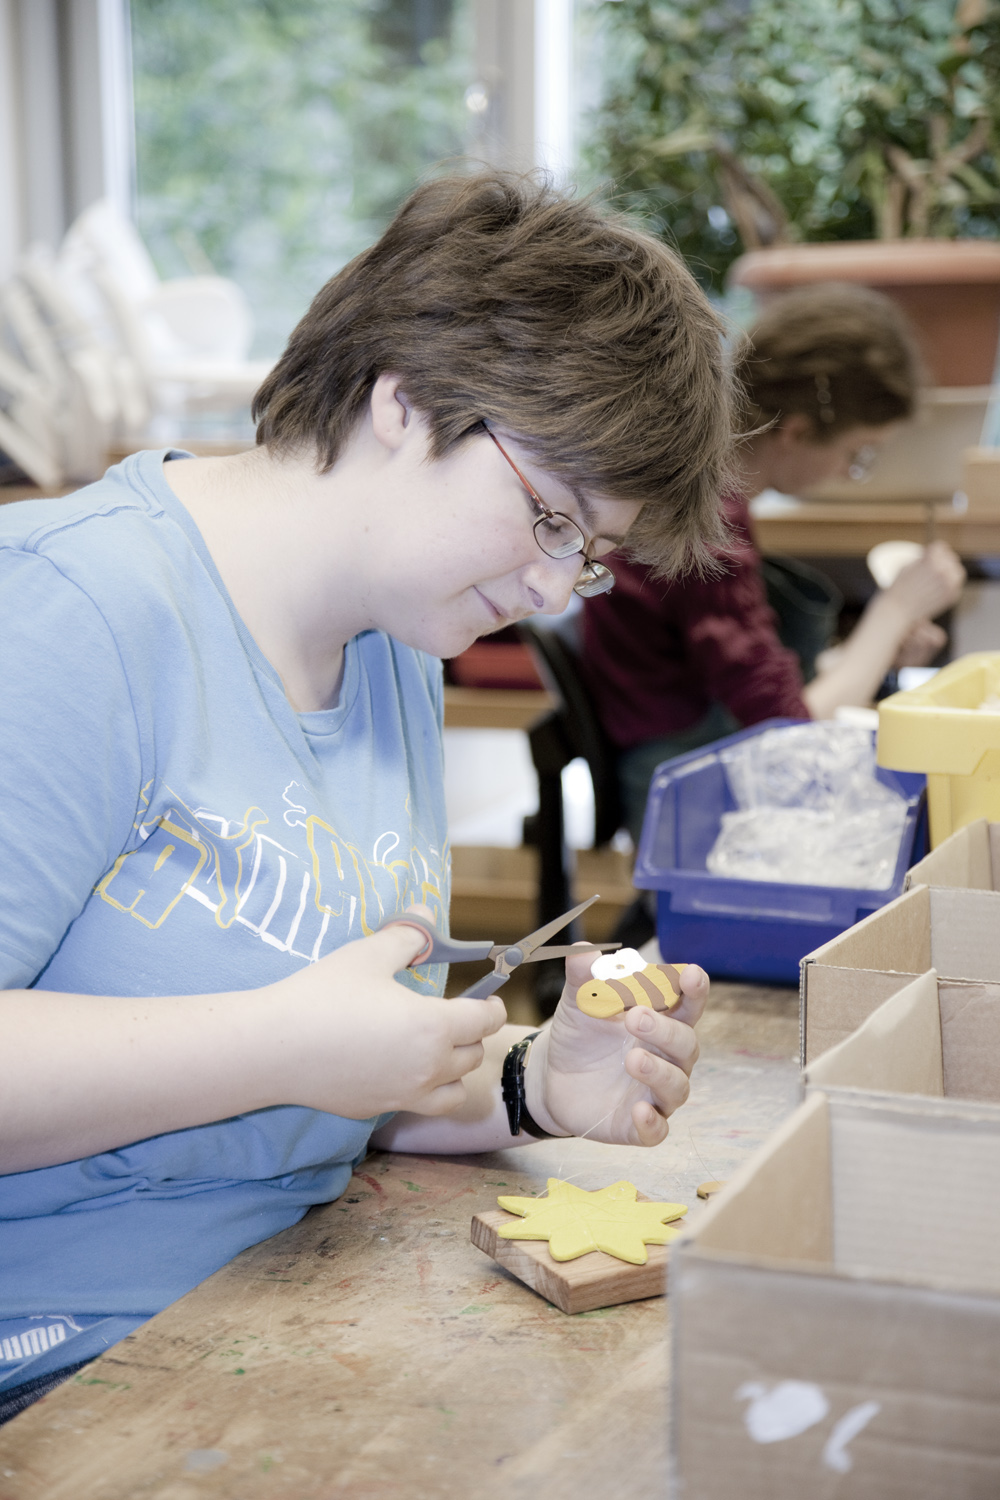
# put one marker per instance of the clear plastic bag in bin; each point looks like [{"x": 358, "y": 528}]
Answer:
[{"x": 811, "y": 811}]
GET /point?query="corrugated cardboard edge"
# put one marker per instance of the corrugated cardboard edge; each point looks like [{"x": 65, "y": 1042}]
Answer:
[
  {"x": 879, "y": 1101},
  {"x": 915, "y": 1189},
  {"x": 965, "y": 933},
  {"x": 963, "y": 860},
  {"x": 863, "y": 947},
  {"x": 809, "y": 1126},
  {"x": 970, "y": 1038},
  {"x": 896, "y": 1050},
  {"x": 807, "y": 1131},
  {"x": 953, "y": 930}
]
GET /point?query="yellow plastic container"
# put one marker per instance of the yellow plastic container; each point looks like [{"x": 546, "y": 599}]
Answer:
[{"x": 950, "y": 729}]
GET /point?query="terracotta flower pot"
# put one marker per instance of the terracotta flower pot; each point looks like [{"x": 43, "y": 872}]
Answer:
[{"x": 949, "y": 288}]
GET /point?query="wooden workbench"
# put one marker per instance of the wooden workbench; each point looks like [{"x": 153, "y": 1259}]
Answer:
[{"x": 372, "y": 1351}]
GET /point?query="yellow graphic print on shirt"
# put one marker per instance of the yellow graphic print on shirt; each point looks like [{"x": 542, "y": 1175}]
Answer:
[{"x": 289, "y": 895}]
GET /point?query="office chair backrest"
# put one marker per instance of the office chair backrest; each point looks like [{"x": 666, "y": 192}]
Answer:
[{"x": 582, "y": 729}]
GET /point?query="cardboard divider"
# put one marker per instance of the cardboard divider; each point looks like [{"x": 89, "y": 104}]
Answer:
[
  {"x": 970, "y": 1039},
  {"x": 956, "y": 932},
  {"x": 935, "y": 1037},
  {"x": 897, "y": 1050},
  {"x": 874, "y": 1375},
  {"x": 780, "y": 1205},
  {"x": 916, "y": 1189},
  {"x": 969, "y": 860}
]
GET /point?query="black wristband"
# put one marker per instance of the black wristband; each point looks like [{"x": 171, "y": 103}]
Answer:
[{"x": 512, "y": 1090}]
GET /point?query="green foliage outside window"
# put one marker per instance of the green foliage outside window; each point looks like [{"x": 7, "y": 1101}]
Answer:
[
  {"x": 275, "y": 138},
  {"x": 734, "y": 123}
]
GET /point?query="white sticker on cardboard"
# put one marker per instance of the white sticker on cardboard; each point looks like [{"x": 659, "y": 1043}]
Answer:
[
  {"x": 835, "y": 1454},
  {"x": 791, "y": 1407}
]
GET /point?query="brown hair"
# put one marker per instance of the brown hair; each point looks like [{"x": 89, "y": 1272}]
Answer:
[
  {"x": 497, "y": 298},
  {"x": 842, "y": 355}
]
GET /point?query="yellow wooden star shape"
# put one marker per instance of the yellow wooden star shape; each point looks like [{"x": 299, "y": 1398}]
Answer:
[{"x": 575, "y": 1222}]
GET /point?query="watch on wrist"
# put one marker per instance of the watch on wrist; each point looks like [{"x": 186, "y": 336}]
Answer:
[{"x": 512, "y": 1090}]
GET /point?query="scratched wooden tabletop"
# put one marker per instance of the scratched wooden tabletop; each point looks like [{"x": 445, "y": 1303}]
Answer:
[{"x": 372, "y": 1352}]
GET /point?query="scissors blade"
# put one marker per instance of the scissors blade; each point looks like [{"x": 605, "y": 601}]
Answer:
[
  {"x": 535, "y": 940},
  {"x": 540, "y": 954}
]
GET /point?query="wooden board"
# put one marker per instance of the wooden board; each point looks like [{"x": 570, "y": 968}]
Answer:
[{"x": 574, "y": 1286}]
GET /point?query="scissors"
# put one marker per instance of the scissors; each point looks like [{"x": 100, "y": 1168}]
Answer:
[{"x": 506, "y": 958}]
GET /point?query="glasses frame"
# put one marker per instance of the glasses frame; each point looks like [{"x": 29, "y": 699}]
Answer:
[
  {"x": 863, "y": 461},
  {"x": 595, "y": 577}
]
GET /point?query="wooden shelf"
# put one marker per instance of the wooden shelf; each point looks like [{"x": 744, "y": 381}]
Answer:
[
  {"x": 837, "y": 529},
  {"x": 495, "y": 891},
  {"x": 495, "y": 708}
]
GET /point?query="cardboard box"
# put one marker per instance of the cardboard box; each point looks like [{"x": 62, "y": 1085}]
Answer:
[
  {"x": 970, "y": 859},
  {"x": 956, "y": 932},
  {"x": 836, "y": 1311},
  {"x": 936, "y": 1037}
]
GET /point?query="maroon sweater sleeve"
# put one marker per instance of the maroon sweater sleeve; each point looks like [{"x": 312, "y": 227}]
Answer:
[{"x": 658, "y": 654}]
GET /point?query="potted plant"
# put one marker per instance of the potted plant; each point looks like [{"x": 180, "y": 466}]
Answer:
[{"x": 846, "y": 139}]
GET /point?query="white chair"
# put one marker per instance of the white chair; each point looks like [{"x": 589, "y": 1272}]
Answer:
[
  {"x": 188, "y": 338},
  {"x": 27, "y": 423}
]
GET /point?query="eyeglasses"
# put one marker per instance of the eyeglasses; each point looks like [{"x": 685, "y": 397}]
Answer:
[
  {"x": 560, "y": 537},
  {"x": 862, "y": 463}
]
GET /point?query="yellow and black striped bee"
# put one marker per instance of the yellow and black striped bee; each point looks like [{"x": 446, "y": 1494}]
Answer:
[{"x": 657, "y": 985}]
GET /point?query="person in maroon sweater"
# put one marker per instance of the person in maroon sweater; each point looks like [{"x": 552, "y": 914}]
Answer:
[{"x": 675, "y": 663}]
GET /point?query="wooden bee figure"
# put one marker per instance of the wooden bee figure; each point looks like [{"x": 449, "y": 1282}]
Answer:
[{"x": 621, "y": 980}]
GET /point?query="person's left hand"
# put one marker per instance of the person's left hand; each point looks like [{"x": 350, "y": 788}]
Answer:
[
  {"x": 579, "y": 1072},
  {"x": 921, "y": 645}
]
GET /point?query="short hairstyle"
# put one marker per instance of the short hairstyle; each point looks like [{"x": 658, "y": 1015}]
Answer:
[
  {"x": 497, "y": 298},
  {"x": 842, "y": 355}
]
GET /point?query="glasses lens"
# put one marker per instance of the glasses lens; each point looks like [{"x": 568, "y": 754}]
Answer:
[
  {"x": 595, "y": 579},
  {"x": 862, "y": 464},
  {"x": 559, "y": 536}
]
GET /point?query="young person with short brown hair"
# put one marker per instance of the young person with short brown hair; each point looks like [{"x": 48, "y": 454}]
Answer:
[
  {"x": 679, "y": 662},
  {"x": 221, "y": 753}
]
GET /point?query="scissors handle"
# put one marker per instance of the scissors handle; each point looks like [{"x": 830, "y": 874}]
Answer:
[
  {"x": 485, "y": 987},
  {"x": 438, "y": 949}
]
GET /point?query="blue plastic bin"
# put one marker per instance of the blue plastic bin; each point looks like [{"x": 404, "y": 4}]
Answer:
[{"x": 745, "y": 929}]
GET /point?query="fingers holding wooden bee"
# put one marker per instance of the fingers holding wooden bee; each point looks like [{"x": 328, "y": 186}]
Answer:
[
  {"x": 694, "y": 994},
  {"x": 663, "y": 1036},
  {"x": 633, "y": 1088},
  {"x": 660, "y": 1003}
]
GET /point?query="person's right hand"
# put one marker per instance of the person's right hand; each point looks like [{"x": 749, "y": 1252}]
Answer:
[
  {"x": 930, "y": 585},
  {"x": 351, "y": 1040}
]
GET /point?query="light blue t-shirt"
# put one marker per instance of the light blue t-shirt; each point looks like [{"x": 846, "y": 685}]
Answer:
[{"x": 170, "y": 825}]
